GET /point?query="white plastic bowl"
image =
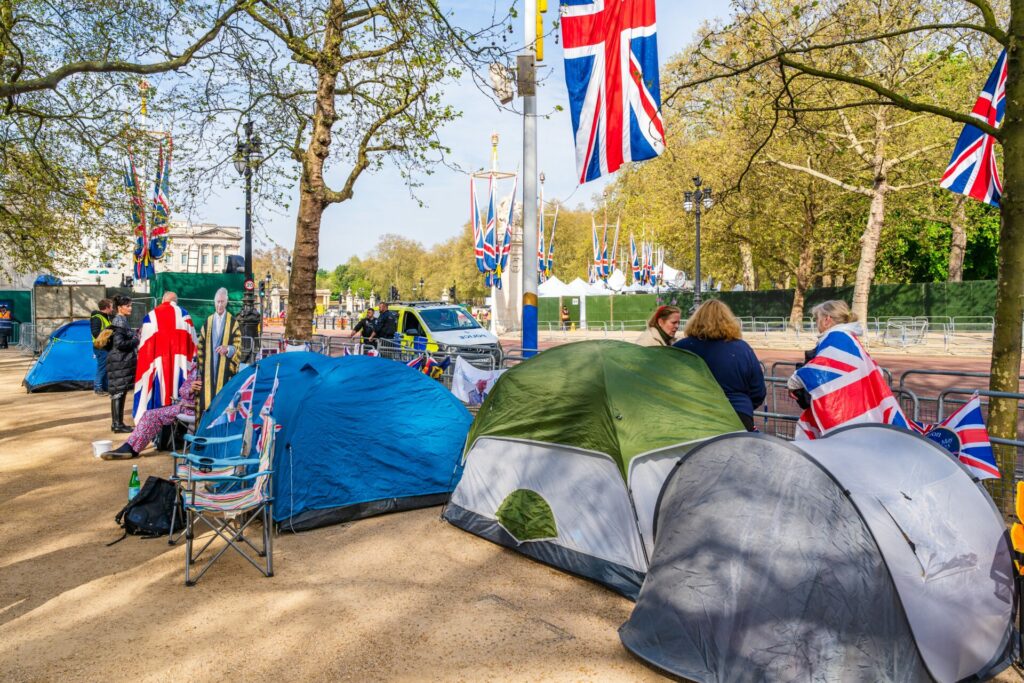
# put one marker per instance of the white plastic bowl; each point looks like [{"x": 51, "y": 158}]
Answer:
[{"x": 101, "y": 447}]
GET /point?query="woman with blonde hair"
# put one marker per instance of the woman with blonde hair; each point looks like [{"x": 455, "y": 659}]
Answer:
[
  {"x": 661, "y": 327},
  {"x": 714, "y": 334}
]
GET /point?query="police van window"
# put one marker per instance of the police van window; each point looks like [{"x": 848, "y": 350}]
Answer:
[
  {"x": 445, "y": 319},
  {"x": 410, "y": 324}
]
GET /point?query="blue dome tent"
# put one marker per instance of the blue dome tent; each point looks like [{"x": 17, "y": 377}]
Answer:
[
  {"x": 359, "y": 436},
  {"x": 66, "y": 363}
]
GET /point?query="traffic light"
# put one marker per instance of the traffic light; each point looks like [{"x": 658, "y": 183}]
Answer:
[{"x": 451, "y": 294}]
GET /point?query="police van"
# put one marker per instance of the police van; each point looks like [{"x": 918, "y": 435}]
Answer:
[{"x": 437, "y": 327}]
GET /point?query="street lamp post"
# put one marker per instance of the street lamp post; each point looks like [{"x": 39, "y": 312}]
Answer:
[
  {"x": 693, "y": 201},
  {"x": 246, "y": 157}
]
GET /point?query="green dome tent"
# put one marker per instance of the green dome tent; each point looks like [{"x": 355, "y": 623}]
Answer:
[{"x": 569, "y": 452}]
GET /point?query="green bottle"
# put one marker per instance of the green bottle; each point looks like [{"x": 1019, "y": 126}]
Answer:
[{"x": 133, "y": 483}]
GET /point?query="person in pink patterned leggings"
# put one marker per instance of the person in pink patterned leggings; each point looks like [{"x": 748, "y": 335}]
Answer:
[{"x": 156, "y": 419}]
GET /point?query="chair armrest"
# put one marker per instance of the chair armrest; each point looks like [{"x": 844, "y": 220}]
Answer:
[
  {"x": 203, "y": 461},
  {"x": 206, "y": 440},
  {"x": 227, "y": 477}
]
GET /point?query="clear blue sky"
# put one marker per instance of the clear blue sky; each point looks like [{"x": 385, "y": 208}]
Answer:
[{"x": 382, "y": 203}]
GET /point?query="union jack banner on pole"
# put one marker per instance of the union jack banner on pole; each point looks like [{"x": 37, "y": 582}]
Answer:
[
  {"x": 478, "y": 233},
  {"x": 490, "y": 236},
  {"x": 634, "y": 258},
  {"x": 506, "y": 242},
  {"x": 541, "y": 248},
  {"x": 551, "y": 246},
  {"x": 596, "y": 270},
  {"x": 612, "y": 263},
  {"x": 611, "y": 71},
  {"x": 161, "y": 217},
  {"x": 603, "y": 270},
  {"x": 143, "y": 269},
  {"x": 973, "y": 170}
]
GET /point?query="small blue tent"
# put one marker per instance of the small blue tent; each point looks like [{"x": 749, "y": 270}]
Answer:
[
  {"x": 66, "y": 363},
  {"x": 359, "y": 436}
]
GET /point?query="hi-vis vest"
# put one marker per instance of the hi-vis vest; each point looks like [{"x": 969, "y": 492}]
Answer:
[
  {"x": 5, "y": 320},
  {"x": 104, "y": 323}
]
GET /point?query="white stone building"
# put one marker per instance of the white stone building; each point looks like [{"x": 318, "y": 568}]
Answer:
[{"x": 200, "y": 247}]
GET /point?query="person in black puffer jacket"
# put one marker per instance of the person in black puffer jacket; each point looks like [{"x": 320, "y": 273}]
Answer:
[{"x": 121, "y": 360}]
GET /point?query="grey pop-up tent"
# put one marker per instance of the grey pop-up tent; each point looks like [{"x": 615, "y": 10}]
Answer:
[{"x": 870, "y": 555}]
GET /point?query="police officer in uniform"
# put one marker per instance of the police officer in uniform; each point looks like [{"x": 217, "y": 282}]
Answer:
[
  {"x": 387, "y": 324},
  {"x": 365, "y": 326}
]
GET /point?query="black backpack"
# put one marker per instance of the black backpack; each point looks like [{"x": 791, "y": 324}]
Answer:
[{"x": 149, "y": 513}]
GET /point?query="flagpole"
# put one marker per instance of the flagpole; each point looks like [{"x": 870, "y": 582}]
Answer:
[
  {"x": 526, "y": 64},
  {"x": 495, "y": 323}
]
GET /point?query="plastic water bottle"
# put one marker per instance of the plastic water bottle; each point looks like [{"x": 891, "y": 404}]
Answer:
[{"x": 133, "y": 483}]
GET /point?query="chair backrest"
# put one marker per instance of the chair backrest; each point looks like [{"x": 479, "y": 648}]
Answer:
[{"x": 266, "y": 443}]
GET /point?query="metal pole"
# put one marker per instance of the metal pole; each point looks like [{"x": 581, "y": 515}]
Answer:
[
  {"x": 248, "y": 214},
  {"x": 696, "y": 283},
  {"x": 249, "y": 319},
  {"x": 529, "y": 269}
]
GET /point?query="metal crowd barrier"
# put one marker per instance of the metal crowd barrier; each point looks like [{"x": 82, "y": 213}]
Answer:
[{"x": 26, "y": 338}]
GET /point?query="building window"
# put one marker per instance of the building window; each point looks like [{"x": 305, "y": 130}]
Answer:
[
  {"x": 216, "y": 259},
  {"x": 184, "y": 258},
  {"x": 204, "y": 259}
]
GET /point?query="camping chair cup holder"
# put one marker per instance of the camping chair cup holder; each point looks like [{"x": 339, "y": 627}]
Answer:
[{"x": 226, "y": 494}]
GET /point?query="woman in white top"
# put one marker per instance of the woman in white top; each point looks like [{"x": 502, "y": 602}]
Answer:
[{"x": 662, "y": 327}]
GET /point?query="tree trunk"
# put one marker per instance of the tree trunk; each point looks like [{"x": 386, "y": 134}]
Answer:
[
  {"x": 869, "y": 252},
  {"x": 805, "y": 266},
  {"x": 305, "y": 255},
  {"x": 1006, "y": 352},
  {"x": 876, "y": 219},
  {"x": 803, "y": 278},
  {"x": 958, "y": 222},
  {"x": 747, "y": 259}
]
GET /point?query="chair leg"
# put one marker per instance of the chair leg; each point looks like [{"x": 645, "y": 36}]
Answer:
[
  {"x": 171, "y": 540},
  {"x": 268, "y": 520},
  {"x": 189, "y": 514}
]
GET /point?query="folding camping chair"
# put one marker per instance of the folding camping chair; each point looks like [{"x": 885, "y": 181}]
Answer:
[
  {"x": 182, "y": 468},
  {"x": 231, "y": 504}
]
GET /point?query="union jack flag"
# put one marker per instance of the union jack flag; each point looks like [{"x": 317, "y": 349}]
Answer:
[
  {"x": 430, "y": 367},
  {"x": 964, "y": 435},
  {"x": 973, "y": 170},
  {"x": 611, "y": 71},
  {"x": 478, "y": 233},
  {"x": 506, "y": 242},
  {"x": 550, "y": 268},
  {"x": 160, "y": 223},
  {"x": 143, "y": 268},
  {"x": 846, "y": 387},
  {"x": 167, "y": 343},
  {"x": 634, "y": 258},
  {"x": 604, "y": 269},
  {"x": 268, "y": 405},
  {"x": 269, "y": 425},
  {"x": 596, "y": 270},
  {"x": 241, "y": 403},
  {"x": 541, "y": 250},
  {"x": 490, "y": 236}
]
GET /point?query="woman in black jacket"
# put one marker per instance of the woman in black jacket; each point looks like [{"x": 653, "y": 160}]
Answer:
[{"x": 124, "y": 346}]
